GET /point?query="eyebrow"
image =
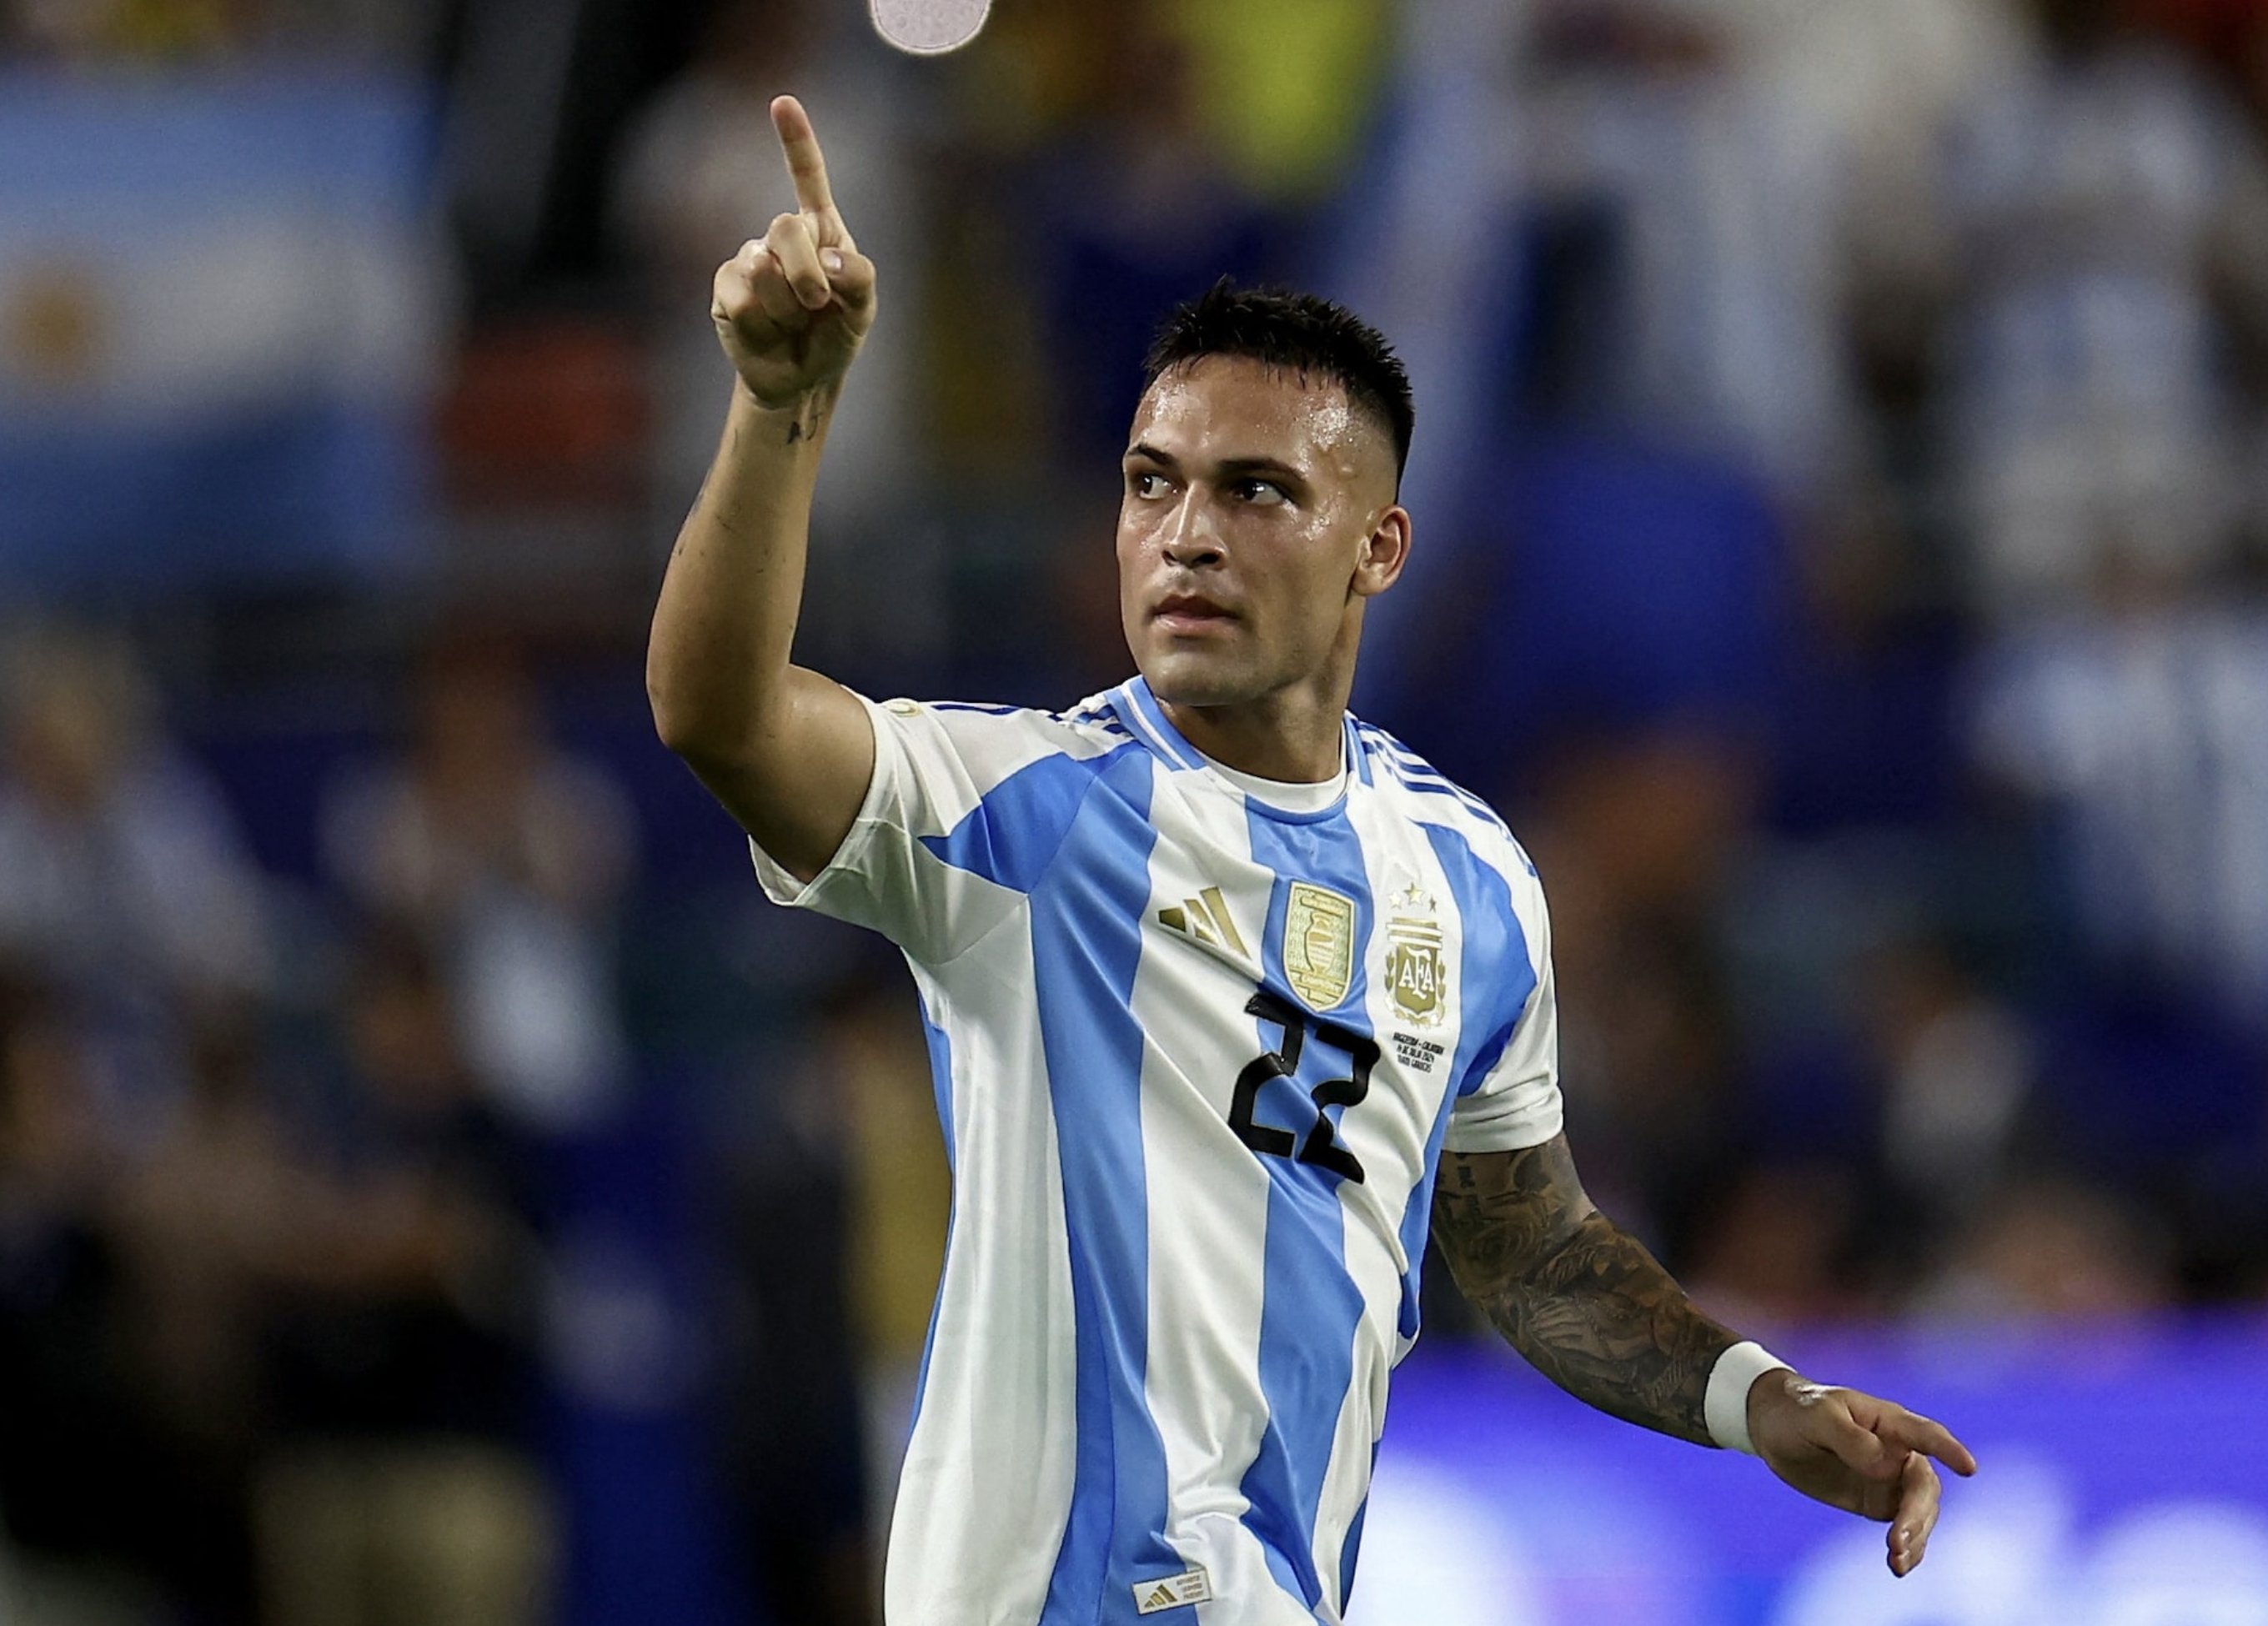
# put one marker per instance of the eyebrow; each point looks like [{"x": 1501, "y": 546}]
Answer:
[
  {"x": 1228, "y": 467},
  {"x": 1233, "y": 467}
]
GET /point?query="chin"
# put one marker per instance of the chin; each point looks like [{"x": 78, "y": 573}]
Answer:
[{"x": 1183, "y": 679}]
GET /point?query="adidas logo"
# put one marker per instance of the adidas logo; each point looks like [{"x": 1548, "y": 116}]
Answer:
[
  {"x": 1190, "y": 1586},
  {"x": 1206, "y": 919}
]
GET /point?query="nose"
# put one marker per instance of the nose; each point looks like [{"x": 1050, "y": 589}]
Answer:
[{"x": 1190, "y": 541}]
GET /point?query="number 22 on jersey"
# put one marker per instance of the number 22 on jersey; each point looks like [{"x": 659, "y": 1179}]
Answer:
[{"x": 1321, "y": 1145}]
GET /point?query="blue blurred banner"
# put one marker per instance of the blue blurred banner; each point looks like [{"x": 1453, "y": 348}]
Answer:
[
  {"x": 221, "y": 305},
  {"x": 2121, "y": 1485}
]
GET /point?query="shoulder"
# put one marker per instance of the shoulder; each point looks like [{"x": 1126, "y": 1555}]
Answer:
[
  {"x": 986, "y": 744},
  {"x": 1430, "y": 796},
  {"x": 1083, "y": 732}
]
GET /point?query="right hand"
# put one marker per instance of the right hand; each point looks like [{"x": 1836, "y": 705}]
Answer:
[
  {"x": 1858, "y": 1452},
  {"x": 793, "y": 305}
]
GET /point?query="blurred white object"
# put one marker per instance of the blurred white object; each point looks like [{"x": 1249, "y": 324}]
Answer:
[
  {"x": 929, "y": 27},
  {"x": 537, "y": 993},
  {"x": 1430, "y": 1552},
  {"x": 2181, "y": 1564},
  {"x": 2017, "y": 1553}
]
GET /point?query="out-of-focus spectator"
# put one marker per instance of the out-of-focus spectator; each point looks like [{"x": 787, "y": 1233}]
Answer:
[
  {"x": 1645, "y": 1027},
  {"x": 70, "y": 1539},
  {"x": 1703, "y": 209},
  {"x": 510, "y": 856},
  {"x": 399, "y": 1484},
  {"x": 2138, "y": 728},
  {"x": 138, "y": 930},
  {"x": 2110, "y": 216},
  {"x": 1881, "y": 84},
  {"x": 1959, "y": 1072},
  {"x": 122, "y": 876},
  {"x": 2132, "y": 732},
  {"x": 1935, "y": 1111},
  {"x": 1775, "y": 1249},
  {"x": 1690, "y": 207},
  {"x": 2050, "y": 1247},
  {"x": 203, "y": 1224},
  {"x": 821, "y": 1251},
  {"x": 134, "y": 1293}
]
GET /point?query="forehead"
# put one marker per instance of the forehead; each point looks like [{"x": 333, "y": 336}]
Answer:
[{"x": 1233, "y": 406}]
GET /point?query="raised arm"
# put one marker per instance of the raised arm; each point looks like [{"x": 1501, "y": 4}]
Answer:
[
  {"x": 1590, "y": 1308},
  {"x": 789, "y": 753}
]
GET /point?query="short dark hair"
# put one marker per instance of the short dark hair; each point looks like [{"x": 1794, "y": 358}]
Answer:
[{"x": 1300, "y": 333}]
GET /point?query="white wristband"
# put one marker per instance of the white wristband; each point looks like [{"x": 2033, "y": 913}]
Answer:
[{"x": 1726, "y": 1406}]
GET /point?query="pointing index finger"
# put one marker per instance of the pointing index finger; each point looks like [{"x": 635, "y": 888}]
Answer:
[
  {"x": 799, "y": 145},
  {"x": 1933, "y": 1438}
]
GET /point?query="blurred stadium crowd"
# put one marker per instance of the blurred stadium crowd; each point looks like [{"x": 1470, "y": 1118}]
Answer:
[{"x": 434, "y": 1187}]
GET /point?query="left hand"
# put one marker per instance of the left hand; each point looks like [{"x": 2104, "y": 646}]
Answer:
[{"x": 1852, "y": 1450}]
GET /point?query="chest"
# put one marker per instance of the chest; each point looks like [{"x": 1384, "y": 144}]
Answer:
[{"x": 1302, "y": 975}]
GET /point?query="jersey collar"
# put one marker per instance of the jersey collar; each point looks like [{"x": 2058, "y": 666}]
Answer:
[{"x": 1142, "y": 712}]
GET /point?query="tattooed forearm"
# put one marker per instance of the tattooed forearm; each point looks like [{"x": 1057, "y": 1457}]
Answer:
[{"x": 1572, "y": 1290}]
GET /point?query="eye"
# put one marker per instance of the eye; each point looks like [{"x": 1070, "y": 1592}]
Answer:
[
  {"x": 1260, "y": 493},
  {"x": 1146, "y": 482}
]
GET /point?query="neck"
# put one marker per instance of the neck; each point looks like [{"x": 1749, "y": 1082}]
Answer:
[{"x": 1293, "y": 737}]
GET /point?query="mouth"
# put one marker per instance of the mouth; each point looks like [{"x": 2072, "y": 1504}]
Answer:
[{"x": 1191, "y": 613}]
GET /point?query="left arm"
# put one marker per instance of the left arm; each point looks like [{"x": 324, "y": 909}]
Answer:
[
  {"x": 1575, "y": 1293},
  {"x": 1590, "y": 1308}
]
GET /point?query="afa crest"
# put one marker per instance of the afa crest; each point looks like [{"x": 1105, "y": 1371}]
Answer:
[{"x": 1416, "y": 977}]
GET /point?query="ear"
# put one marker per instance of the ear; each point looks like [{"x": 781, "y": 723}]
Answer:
[{"x": 1384, "y": 552}]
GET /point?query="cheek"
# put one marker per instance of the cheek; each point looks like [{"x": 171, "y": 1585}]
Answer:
[
  {"x": 1136, "y": 528},
  {"x": 1129, "y": 550},
  {"x": 1283, "y": 598},
  {"x": 1133, "y": 570},
  {"x": 1319, "y": 576}
]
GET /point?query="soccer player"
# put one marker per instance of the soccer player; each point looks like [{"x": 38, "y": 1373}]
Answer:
[{"x": 1228, "y": 995}]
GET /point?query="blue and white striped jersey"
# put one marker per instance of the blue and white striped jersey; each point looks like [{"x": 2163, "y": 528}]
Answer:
[{"x": 1197, "y": 1055}]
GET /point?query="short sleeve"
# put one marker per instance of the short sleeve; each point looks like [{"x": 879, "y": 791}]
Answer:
[
  {"x": 1517, "y": 1102},
  {"x": 934, "y": 766}
]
